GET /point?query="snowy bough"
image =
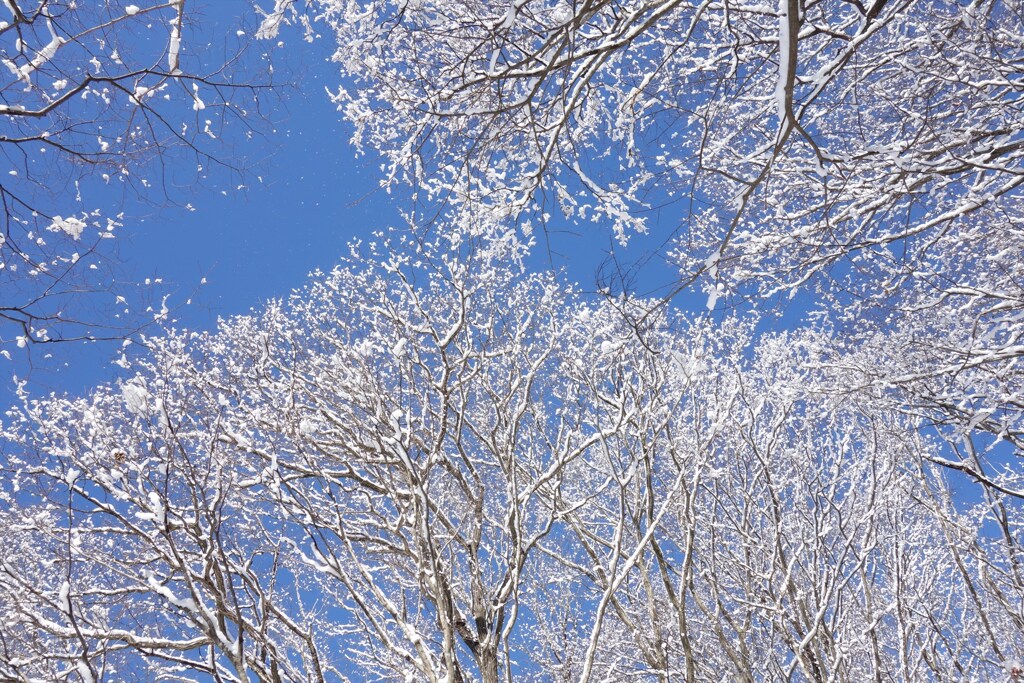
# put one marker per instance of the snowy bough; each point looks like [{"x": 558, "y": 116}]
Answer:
[
  {"x": 863, "y": 156},
  {"x": 431, "y": 466}
]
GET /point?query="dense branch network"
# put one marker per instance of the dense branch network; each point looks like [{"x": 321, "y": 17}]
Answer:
[
  {"x": 429, "y": 466},
  {"x": 866, "y": 157}
]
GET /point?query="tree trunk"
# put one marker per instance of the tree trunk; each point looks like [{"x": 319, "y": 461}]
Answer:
[{"x": 488, "y": 662}]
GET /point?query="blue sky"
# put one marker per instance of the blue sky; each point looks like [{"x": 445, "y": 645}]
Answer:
[{"x": 307, "y": 196}]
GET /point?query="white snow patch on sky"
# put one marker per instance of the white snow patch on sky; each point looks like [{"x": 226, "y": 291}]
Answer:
[{"x": 69, "y": 226}]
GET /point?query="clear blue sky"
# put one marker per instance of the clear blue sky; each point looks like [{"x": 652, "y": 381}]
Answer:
[{"x": 250, "y": 245}]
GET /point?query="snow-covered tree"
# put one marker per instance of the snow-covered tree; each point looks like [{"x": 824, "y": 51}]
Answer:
[
  {"x": 433, "y": 465},
  {"x": 864, "y": 155},
  {"x": 100, "y": 99},
  {"x": 430, "y": 465},
  {"x": 794, "y": 135}
]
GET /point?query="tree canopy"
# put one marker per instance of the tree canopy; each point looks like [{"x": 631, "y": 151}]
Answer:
[
  {"x": 436, "y": 464},
  {"x": 868, "y": 155},
  {"x": 429, "y": 465}
]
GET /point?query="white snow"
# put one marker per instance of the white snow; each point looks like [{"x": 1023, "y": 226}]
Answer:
[
  {"x": 64, "y": 598},
  {"x": 717, "y": 290},
  {"x": 42, "y": 56},
  {"x": 173, "y": 49},
  {"x": 136, "y": 397},
  {"x": 510, "y": 17},
  {"x": 784, "y": 57},
  {"x": 197, "y": 104},
  {"x": 272, "y": 20},
  {"x": 157, "y": 506},
  {"x": 72, "y": 227},
  {"x": 85, "y": 672}
]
